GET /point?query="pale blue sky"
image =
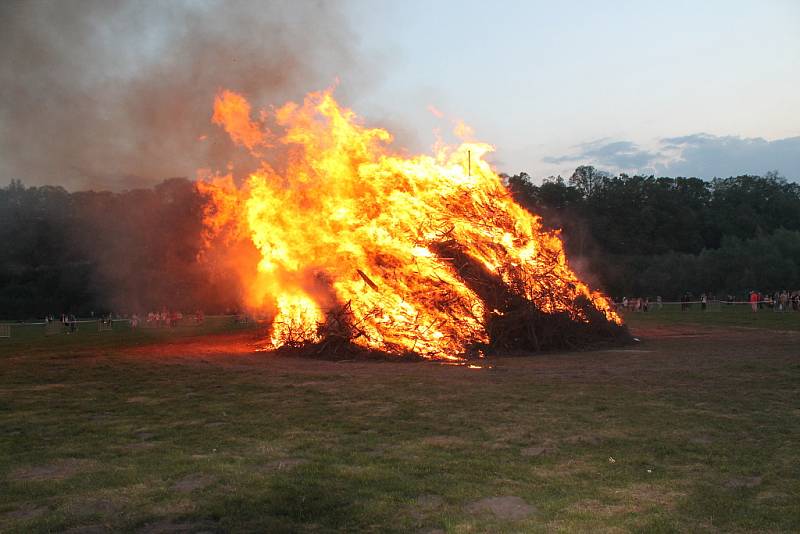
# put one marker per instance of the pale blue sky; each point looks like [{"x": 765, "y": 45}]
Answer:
[
  {"x": 118, "y": 93},
  {"x": 541, "y": 79}
]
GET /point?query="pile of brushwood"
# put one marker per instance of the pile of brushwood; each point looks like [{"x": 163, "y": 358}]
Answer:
[
  {"x": 515, "y": 325},
  {"x": 337, "y": 335}
]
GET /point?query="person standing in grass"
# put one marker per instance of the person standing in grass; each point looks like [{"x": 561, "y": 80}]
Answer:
[
  {"x": 784, "y": 300},
  {"x": 754, "y": 301}
]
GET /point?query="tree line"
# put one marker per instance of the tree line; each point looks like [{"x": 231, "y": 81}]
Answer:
[
  {"x": 648, "y": 236},
  {"x": 90, "y": 252},
  {"x": 96, "y": 252}
]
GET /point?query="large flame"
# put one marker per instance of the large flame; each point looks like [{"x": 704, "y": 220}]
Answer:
[{"x": 348, "y": 221}]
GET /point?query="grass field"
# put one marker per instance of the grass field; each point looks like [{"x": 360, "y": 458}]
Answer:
[
  {"x": 695, "y": 428},
  {"x": 735, "y": 315}
]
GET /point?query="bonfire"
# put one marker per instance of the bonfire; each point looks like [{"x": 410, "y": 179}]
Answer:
[{"x": 344, "y": 242}]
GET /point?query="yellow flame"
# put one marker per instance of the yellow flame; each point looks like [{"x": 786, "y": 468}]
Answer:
[
  {"x": 297, "y": 319},
  {"x": 349, "y": 221}
]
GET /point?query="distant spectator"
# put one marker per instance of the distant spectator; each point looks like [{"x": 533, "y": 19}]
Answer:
[{"x": 686, "y": 301}]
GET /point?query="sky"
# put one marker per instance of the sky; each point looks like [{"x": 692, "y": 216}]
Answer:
[
  {"x": 692, "y": 88},
  {"x": 115, "y": 94}
]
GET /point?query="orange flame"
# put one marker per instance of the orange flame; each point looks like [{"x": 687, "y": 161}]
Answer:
[
  {"x": 232, "y": 112},
  {"x": 350, "y": 221}
]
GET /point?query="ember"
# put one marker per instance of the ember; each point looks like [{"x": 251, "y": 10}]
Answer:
[{"x": 359, "y": 245}]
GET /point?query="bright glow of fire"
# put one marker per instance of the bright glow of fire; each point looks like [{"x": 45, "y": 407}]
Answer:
[{"x": 345, "y": 219}]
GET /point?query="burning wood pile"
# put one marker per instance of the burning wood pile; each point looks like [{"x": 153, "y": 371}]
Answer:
[{"x": 347, "y": 244}]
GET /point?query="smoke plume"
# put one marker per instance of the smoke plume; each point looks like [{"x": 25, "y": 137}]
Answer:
[{"x": 117, "y": 95}]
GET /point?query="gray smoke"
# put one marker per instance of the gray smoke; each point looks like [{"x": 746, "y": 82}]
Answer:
[{"x": 118, "y": 94}]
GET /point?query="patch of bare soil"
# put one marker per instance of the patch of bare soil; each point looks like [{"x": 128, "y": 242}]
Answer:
[
  {"x": 752, "y": 328},
  {"x": 47, "y": 387},
  {"x": 671, "y": 330},
  {"x": 429, "y": 501},
  {"x": 774, "y": 496},
  {"x": 193, "y": 482},
  {"x": 596, "y": 508},
  {"x": 170, "y": 526},
  {"x": 138, "y": 446},
  {"x": 88, "y": 529},
  {"x": 25, "y": 512},
  {"x": 426, "y": 504},
  {"x": 142, "y": 400},
  {"x": 214, "y": 424},
  {"x": 534, "y": 451},
  {"x": 509, "y": 508},
  {"x": 701, "y": 440},
  {"x": 583, "y": 439},
  {"x": 57, "y": 470},
  {"x": 639, "y": 497},
  {"x": 145, "y": 442},
  {"x": 235, "y": 344},
  {"x": 96, "y": 506},
  {"x": 443, "y": 441},
  {"x": 743, "y": 482}
]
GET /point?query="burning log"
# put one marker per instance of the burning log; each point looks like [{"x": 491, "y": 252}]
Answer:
[{"x": 367, "y": 279}]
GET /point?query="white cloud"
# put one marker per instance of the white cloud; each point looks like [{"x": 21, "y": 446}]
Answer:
[{"x": 701, "y": 155}]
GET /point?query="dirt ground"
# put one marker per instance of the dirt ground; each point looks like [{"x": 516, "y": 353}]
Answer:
[{"x": 657, "y": 350}]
